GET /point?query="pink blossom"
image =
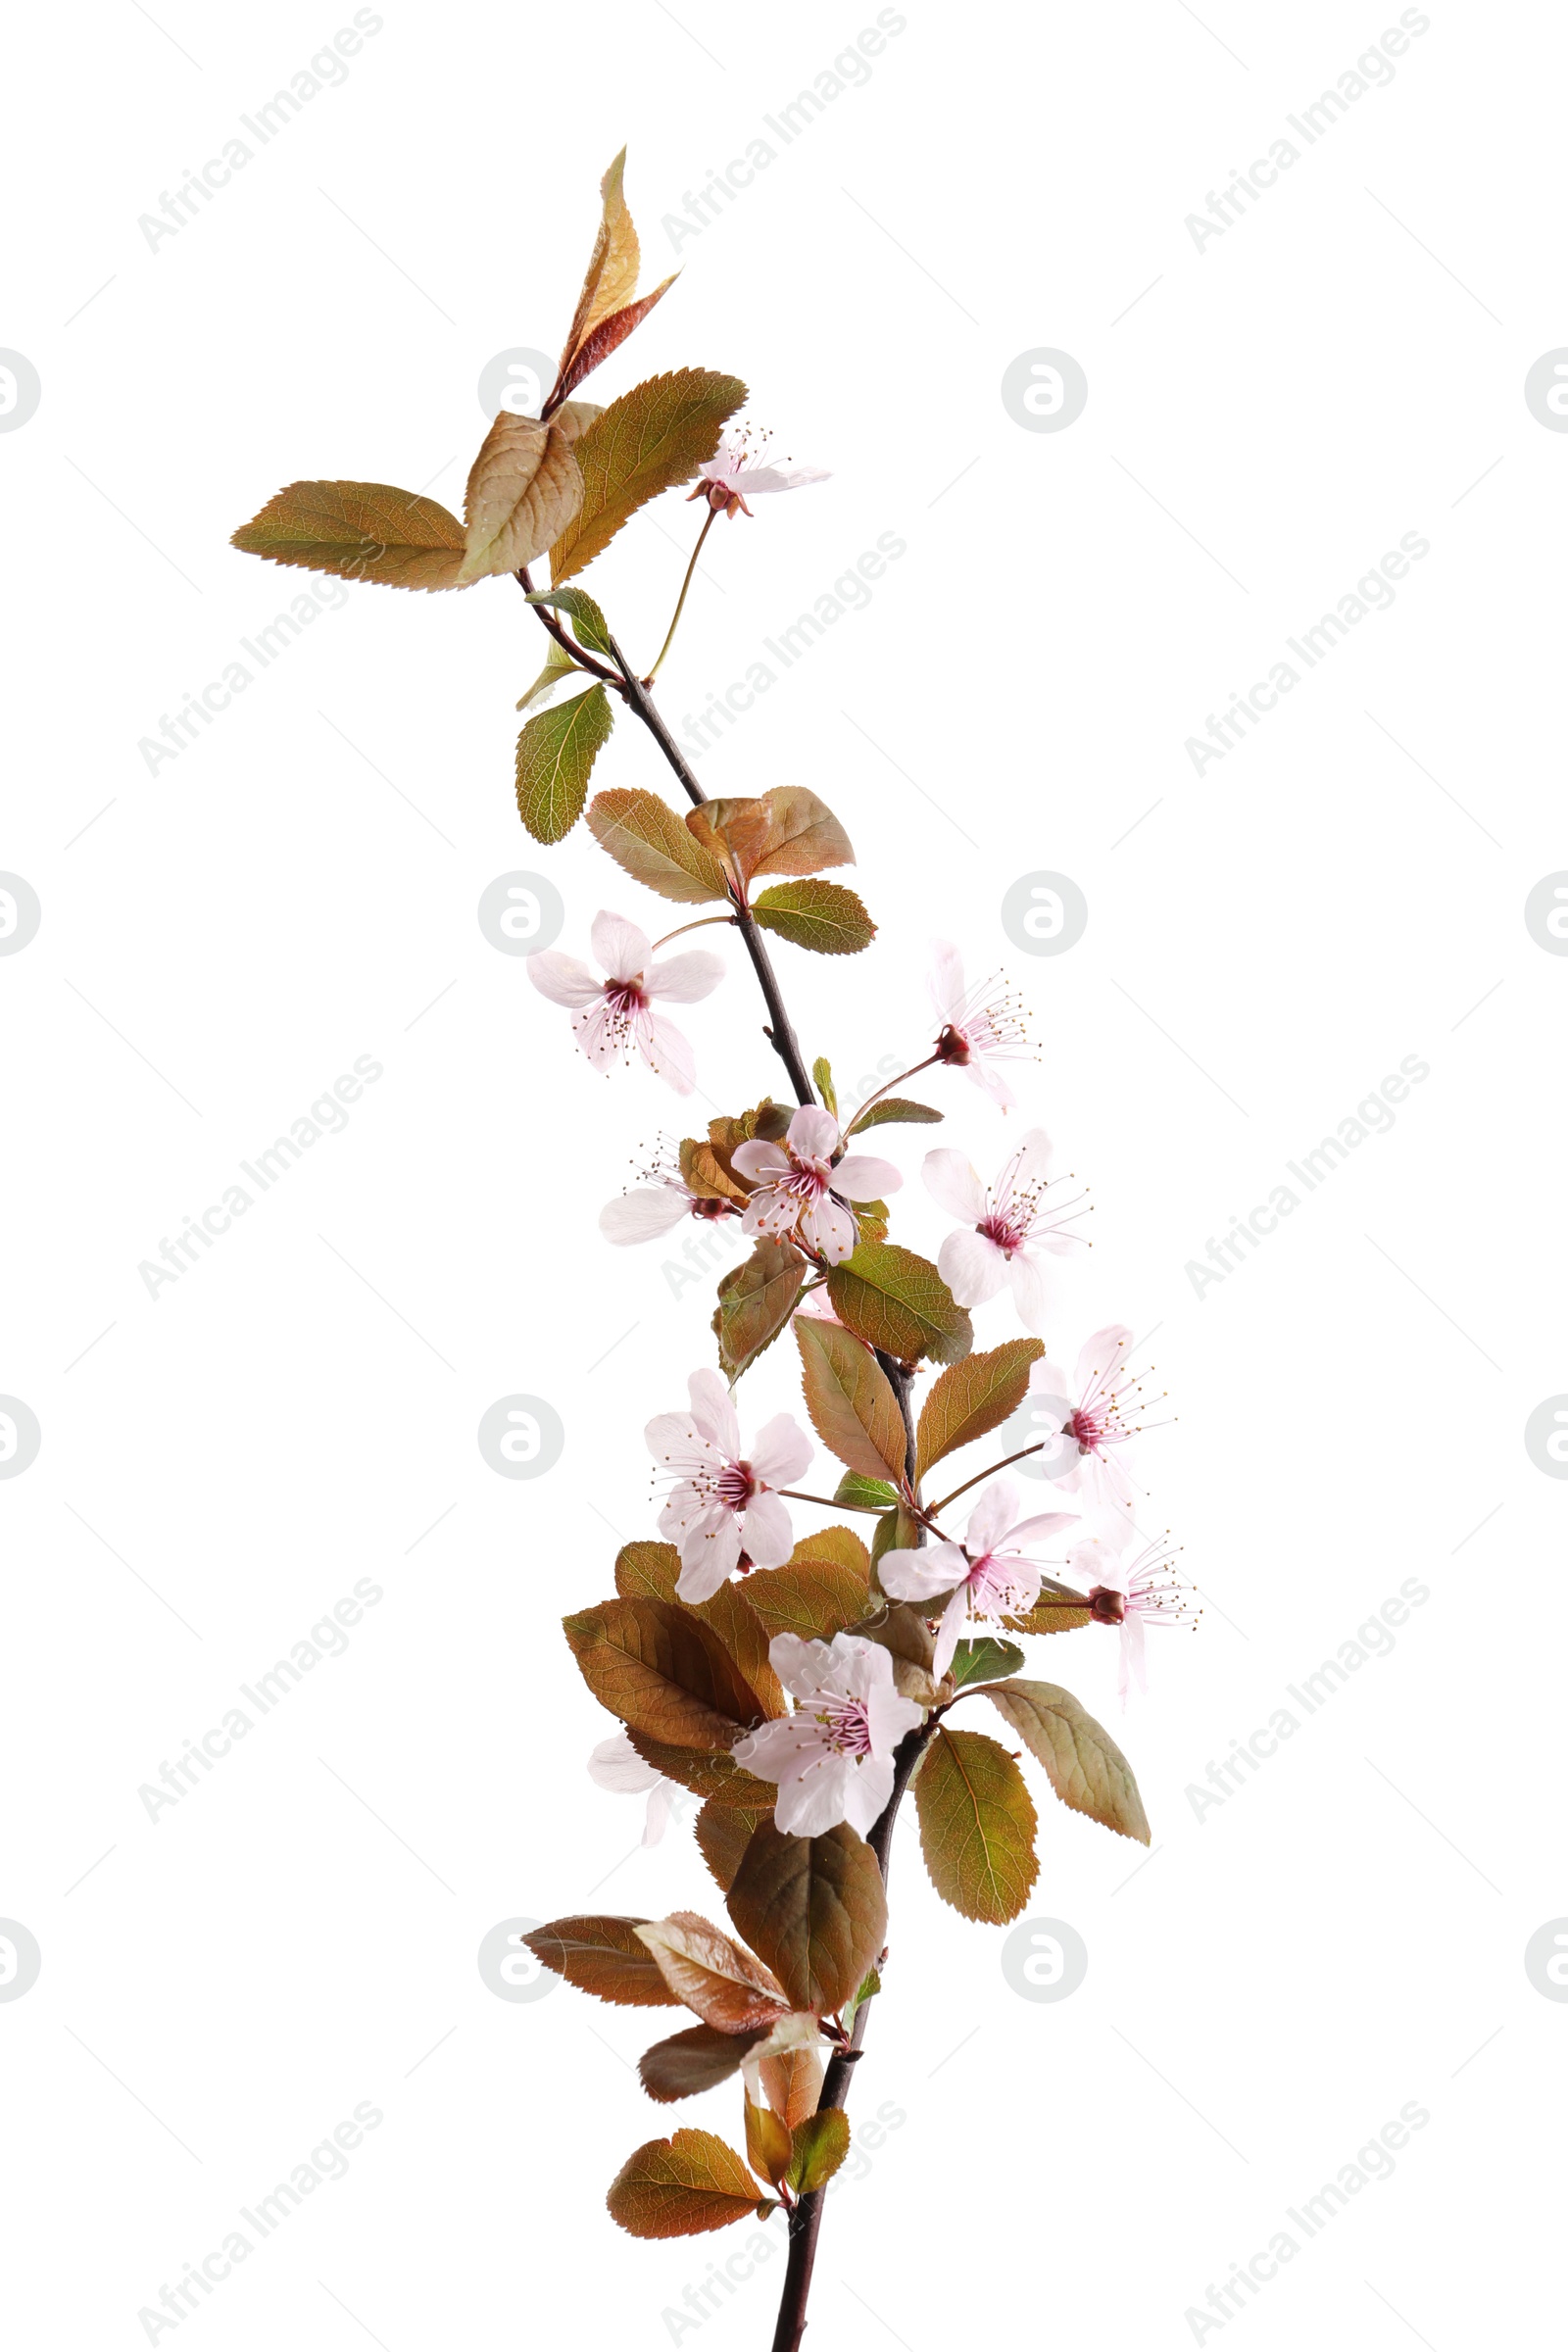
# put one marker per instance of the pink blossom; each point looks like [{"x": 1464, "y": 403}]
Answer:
[
  {"x": 975, "y": 1033},
  {"x": 722, "y": 1503},
  {"x": 833, "y": 1756},
  {"x": 1132, "y": 1595},
  {"x": 801, "y": 1194},
  {"x": 658, "y": 1204},
  {"x": 728, "y": 479},
  {"x": 1089, "y": 1416},
  {"x": 616, "y": 1766},
  {"x": 987, "y": 1576},
  {"x": 1008, "y": 1224},
  {"x": 615, "y": 1013}
]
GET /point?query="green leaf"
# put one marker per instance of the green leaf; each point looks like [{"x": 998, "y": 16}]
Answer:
[
  {"x": 555, "y": 753},
  {"x": 817, "y": 2147},
  {"x": 769, "y": 2146},
  {"x": 724, "y": 1832},
  {"x": 973, "y": 1397},
  {"x": 896, "y": 1531},
  {"x": 849, "y": 1399},
  {"x": 664, "y": 1671},
  {"x": 587, "y": 620},
  {"x": 756, "y": 1300},
  {"x": 697, "y": 2060},
  {"x": 987, "y": 1660},
  {"x": 1086, "y": 1767},
  {"x": 814, "y": 1909},
  {"x": 898, "y": 1302},
  {"x": 524, "y": 488},
  {"x": 785, "y": 831},
  {"x": 646, "y": 839},
  {"x": 864, "y": 1493},
  {"x": 869, "y": 1986},
  {"x": 977, "y": 1826},
  {"x": 894, "y": 1112},
  {"x": 653, "y": 438},
  {"x": 821, "y": 915},
  {"x": 822, "y": 1080},
  {"x": 559, "y": 665},
  {"x": 814, "y": 1598},
  {"x": 360, "y": 530},
  {"x": 679, "y": 2186},
  {"x": 602, "y": 1953}
]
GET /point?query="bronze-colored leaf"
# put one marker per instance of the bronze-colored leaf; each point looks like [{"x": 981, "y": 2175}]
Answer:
[
  {"x": 705, "y": 1774},
  {"x": 785, "y": 831},
  {"x": 644, "y": 836},
  {"x": 792, "y": 2083},
  {"x": 724, "y": 1831},
  {"x": 701, "y": 1171},
  {"x": 611, "y": 280},
  {"x": 664, "y": 1671},
  {"x": 1086, "y": 1767},
  {"x": 756, "y": 1300},
  {"x": 727, "y": 1987},
  {"x": 768, "y": 2144},
  {"x": 649, "y": 1571},
  {"x": 602, "y": 1953},
  {"x": 816, "y": 1593},
  {"x": 816, "y": 1910},
  {"x": 360, "y": 531},
  {"x": 696, "y": 2060},
  {"x": 524, "y": 488},
  {"x": 653, "y": 438},
  {"x": 679, "y": 2186},
  {"x": 850, "y": 1401},
  {"x": 977, "y": 1826},
  {"x": 973, "y": 1397},
  {"x": 609, "y": 334}
]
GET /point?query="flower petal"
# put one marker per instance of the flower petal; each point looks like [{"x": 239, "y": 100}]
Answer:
[
  {"x": 781, "y": 1451},
  {"x": 622, "y": 948},
  {"x": 861, "y": 1177},
  {"x": 973, "y": 1266},
  {"x": 813, "y": 1134},
  {"x": 683, "y": 979},
  {"x": 829, "y": 1227},
  {"x": 867, "y": 1791},
  {"x": 644, "y": 1212},
  {"x": 760, "y": 1163},
  {"x": 991, "y": 1517},
  {"x": 921, "y": 1575},
  {"x": 667, "y": 1051},
  {"x": 707, "y": 1560},
  {"x": 1022, "y": 1270},
  {"x": 954, "y": 1184},
  {"x": 713, "y": 1410},
  {"x": 763, "y": 478},
  {"x": 614, "y": 1764},
  {"x": 949, "y": 1633},
  {"x": 563, "y": 979},
  {"x": 947, "y": 981},
  {"x": 815, "y": 1800},
  {"x": 765, "y": 1531}
]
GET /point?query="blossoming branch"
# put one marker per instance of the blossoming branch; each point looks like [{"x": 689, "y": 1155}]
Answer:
[{"x": 792, "y": 1658}]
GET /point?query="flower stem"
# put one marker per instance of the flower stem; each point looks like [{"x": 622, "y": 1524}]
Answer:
[
  {"x": 991, "y": 1473},
  {"x": 680, "y": 605},
  {"x": 830, "y": 1502},
  {"x": 701, "y": 921},
  {"x": 860, "y": 1116}
]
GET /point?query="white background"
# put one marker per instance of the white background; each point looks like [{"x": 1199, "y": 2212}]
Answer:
[{"x": 220, "y": 940}]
